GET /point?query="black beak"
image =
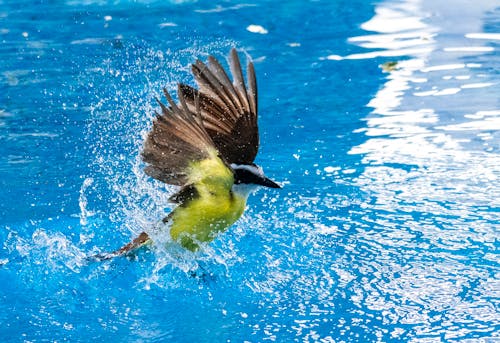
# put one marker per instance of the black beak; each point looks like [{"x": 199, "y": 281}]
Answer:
[{"x": 266, "y": 182}]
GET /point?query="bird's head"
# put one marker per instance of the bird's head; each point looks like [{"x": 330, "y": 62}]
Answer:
[{"x": 248, "y": 176}]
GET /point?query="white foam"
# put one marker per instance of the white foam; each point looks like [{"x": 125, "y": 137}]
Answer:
[
  {"x": 482, "y": 35},
  {"x": 331, "y": 169},
  {"x": 257, "y": 29},
  {"x": 478, "y": 85},
  {"x": 470, "y": 49},
  {"x": 167, "y": 24}
]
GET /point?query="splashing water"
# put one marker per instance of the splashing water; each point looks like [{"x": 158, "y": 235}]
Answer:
[
  {"x": 84, "y": 213},
  {"x": 139, "y": 202}
]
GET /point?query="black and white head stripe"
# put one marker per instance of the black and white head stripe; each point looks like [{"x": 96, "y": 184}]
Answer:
[{"x": 251, "y": 175}]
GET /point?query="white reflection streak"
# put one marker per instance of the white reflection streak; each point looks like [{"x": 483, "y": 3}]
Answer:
[{"x": 402, "y": 33}]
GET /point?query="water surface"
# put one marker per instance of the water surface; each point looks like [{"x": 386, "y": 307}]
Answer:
[{"x": 381, "y": 121}]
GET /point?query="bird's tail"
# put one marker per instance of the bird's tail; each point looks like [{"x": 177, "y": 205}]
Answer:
[{"x": 140, "y": 241}]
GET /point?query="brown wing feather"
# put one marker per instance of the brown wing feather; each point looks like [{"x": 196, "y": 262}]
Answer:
[
  {"x": 228, "y": 110},
  {"x": 176, "y": 139}
]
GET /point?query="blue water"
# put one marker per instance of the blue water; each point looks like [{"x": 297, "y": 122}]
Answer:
[{"x": 386, "y": 229}]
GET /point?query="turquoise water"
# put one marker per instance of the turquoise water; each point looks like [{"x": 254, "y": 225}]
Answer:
[{"x": 386, "y": 228}]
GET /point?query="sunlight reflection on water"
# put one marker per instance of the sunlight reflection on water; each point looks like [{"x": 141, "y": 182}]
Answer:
[{"x": 443, "y": 184}]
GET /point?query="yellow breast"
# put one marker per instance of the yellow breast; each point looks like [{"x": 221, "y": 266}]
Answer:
[
  {"x": 214, "y": 208},
  {"x": 203, "y": 218}
]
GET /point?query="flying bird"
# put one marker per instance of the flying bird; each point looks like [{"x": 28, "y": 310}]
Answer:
[{"x": 206, "y": 143}]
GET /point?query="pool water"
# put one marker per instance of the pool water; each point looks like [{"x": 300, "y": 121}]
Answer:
[{"x": 380, "y": 119}]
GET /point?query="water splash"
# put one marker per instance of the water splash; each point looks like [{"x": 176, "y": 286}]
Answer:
[
  {"x": 82, "y": 201},
  {"x": 118, "y": 125}
]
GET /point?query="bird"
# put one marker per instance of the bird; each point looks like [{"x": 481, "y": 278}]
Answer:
[{"x": 205, "y": 144}]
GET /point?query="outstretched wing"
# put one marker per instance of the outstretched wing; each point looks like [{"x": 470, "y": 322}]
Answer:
[
  {"x": 177, "y": 142},
  {"x": 228, "y": 109}
]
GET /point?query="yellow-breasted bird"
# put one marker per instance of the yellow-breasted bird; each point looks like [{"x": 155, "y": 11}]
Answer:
[{"x": 206, "y": 144}]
